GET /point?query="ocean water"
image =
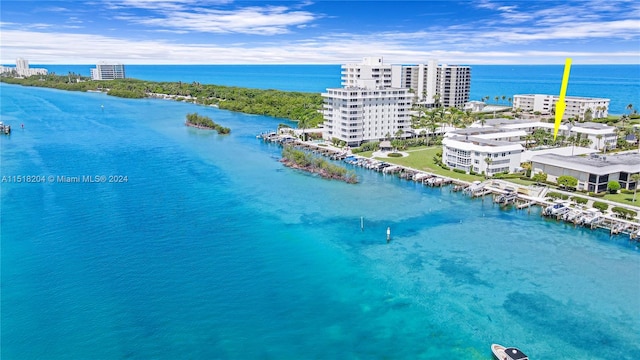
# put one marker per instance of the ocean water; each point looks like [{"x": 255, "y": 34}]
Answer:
[
  {"x": 212, "y": 249},
  {"x": 620, "y": 83}
]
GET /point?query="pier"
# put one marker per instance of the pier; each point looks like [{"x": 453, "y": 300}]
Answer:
[{"x": 504, "y": 193}]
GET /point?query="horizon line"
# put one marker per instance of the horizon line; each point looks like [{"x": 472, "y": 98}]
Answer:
[{"x": 327, "y": 64}]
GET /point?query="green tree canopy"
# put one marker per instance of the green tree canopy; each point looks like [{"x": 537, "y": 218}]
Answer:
[
  {"x": 568, "y": 181},
  {"x": 540, "y": 177},
  {"x": 613, "y": 186}
]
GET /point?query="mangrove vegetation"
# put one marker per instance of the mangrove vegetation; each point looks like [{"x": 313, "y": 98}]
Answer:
[
  {"x": 298, "y": 106},
  {"x": 303, "y": 160},
  {"x": 205, "y": 122}
]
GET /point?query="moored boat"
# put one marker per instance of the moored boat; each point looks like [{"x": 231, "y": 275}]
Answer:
[{"x": 507, "y": 353}]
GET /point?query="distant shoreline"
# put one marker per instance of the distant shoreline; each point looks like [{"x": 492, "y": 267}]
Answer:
[{"x": 292, "y": 105}]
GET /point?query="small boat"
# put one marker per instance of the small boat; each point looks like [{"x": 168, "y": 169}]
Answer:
[
  {"x": 592, "y": 217},
  {"x": 559, "y": 207},
  {"x": 504, "y": 353}
]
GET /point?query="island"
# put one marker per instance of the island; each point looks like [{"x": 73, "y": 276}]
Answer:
[
  {"x": 204, "y": 122},
  {"x": 302, "y": 160}
]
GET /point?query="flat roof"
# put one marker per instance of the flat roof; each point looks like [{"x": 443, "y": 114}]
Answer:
[
  {"x": 586, "y": 127},
  {"x": 566, "y": 97},
  {"x": 594, "y": 164},
  {"x": 484, "y": 142},
  {"x": 481, "y": 130}
]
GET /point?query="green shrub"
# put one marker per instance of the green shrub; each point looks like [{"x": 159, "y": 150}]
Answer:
[
  {"x": 579, "y": 200},
  {"x": 613, "y": 186},
  {"x": 459, "y": 171},
  {"x": 394, "y": 155},
  {"x": 600, "y": 206},
  {"x": 555, "y": 195},
  {"x": 593, "y": 194},
  {"x": 623, "y": 212},
  {"x": 368, "y": 146},
  {"x": 625, "y": 191},
  {"x": 504, "y": 175},
  {"x": 567, "y": 181},
  {"x": 540, "y": 177}
]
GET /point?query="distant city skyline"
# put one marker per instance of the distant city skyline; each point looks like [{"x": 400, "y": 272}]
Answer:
[{"x": 321, "y": 32}]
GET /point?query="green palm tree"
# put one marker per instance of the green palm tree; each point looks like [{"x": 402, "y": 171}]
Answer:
[
  {"x": 588, "y": 114},
  {"x": 636, "y": 178},
  {"x": 488, "y": 161},
  {"x": 527, "y": 138},
  {"x": 630, "y": 108},
  {"x": 436, "y": 100},
  {"x": 504, "y": 98},
  {"x": 497, "y": 98},
  {"x": 599, "y": 137},
  {"x": 303, "y": 124},
  {"x": 399, "y": 134},
  {"x": 623, "y": 118}
]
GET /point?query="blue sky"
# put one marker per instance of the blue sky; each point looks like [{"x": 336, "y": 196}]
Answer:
[{"x": 319, "y": 32}]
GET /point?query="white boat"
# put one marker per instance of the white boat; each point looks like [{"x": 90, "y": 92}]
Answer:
[
  {"x": 559, "y": 207},
  {"x": 571, "y": 215},
  {"x": 592, "y": 217},
  {"x": 507, "y": 353}
]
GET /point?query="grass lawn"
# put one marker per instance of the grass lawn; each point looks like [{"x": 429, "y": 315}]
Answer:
[
  {"x": 624, "y": 198},
  {"x": 521, "y": 182},
  {"x": 421, "y": 158}
]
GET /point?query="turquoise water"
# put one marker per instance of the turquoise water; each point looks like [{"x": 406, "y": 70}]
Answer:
[
  {"x": 212, "y": 249},
  {"x": 620, "y": 83}
]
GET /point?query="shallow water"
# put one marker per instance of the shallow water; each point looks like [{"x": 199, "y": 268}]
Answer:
[{"x": 213, "y": 249}]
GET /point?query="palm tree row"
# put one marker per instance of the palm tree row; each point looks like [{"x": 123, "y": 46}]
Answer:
[
  {"x": 497, "y": 99},
  {"x": 439, "y": 117}
]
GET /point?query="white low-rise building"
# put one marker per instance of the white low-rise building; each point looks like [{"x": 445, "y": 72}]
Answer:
[
  {"x": 481, "y": 155},
  {"x": 576, "y": 106},
  {"x": 474, "y": 106},
  {"x": 593, "y": 172},
  {"x": 491, "y": 133},
  {"x": 601, "y": 136}
]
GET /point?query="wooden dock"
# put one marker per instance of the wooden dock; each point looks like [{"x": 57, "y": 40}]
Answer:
[{"x": 504, "y": 193}]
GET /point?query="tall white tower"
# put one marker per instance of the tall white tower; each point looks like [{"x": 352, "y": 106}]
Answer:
[{"x": 22, "y": 67}]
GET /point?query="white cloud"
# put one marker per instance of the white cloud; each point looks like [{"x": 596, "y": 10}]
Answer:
[
  {"x": 255, "y": 20},
  {"x": 65, "y": 48},
  {"x": 475, "y": 42}
]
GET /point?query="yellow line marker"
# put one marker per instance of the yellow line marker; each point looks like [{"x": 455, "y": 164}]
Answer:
[{"x": 561, "y": 105}]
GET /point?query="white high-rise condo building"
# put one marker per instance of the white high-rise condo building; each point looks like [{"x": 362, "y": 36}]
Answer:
[
  {"x": 22, "y": 69},
  {"x": 375, "y": 98},
  {"x": 22, "y": 66},
  {"x": 105, "y": 71},
  {"x": 576, "y": 106},
  {"x": 359, "y": 114},
  {"x": 371, "y": 68},
  {"x": 435, "y": 85}
]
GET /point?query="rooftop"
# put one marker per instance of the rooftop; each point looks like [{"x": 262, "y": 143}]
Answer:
[
  {"x": 483, "y": 142},
  {"x": 566, "y": 97},
  {"x": 594, "y": 164}
]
